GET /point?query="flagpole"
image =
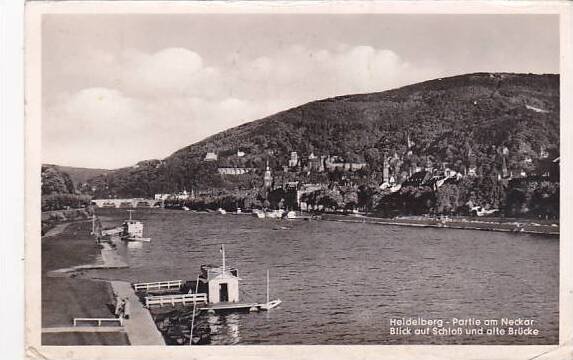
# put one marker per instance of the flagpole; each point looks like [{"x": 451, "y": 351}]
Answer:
[
  {"x": 223, "y": 251},
  {"x": 193, "y": 316}
]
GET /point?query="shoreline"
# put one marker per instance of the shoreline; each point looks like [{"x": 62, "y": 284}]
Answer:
[
  {"x": 524, "y": 227},
  {"x": 65, "y": 295},
  {"x": 139, "y": 329}
]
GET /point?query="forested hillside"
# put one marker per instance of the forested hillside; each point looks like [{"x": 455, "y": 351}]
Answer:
[{"x": 463, "y": 121}]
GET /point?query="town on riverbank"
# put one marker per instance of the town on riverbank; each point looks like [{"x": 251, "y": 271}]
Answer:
[{"x": 317, "y": 185}]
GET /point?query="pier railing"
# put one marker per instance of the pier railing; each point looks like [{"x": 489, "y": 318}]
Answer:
[
  {"x": 158, "y": 285},
  {"x": 99, "y": 321},
  {"x": 113, "y": 231},
  {"x": 183, "y": 299}
]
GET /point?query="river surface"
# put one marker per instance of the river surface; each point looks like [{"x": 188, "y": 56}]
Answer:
[{"x": 342, "y": 283}]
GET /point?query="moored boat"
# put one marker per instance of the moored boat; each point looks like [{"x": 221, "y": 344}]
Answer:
[
  {"x": 291, "y": 215},
  {"x": 132, "y": 230},
  {"x": 259, "y": 213}
]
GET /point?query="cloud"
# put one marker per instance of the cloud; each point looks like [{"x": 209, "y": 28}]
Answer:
[
  {"x": 169, "y": 72},
  {"x": 147, "y": 105},
  {"x": 100, "y": 127}
]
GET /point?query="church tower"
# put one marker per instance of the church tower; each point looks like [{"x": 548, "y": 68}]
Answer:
[
  {"x": 268, "y": 178},
  {"x": 386, "y": 170}
]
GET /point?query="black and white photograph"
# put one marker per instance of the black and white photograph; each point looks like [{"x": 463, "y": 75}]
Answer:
[{"x": 298, "y": 178}]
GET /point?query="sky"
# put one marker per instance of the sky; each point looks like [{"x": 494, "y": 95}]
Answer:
[{"x": 119, "y": 89}]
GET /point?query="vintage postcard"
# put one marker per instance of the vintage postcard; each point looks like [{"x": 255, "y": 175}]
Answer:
[{"x": 298, "y": 180}]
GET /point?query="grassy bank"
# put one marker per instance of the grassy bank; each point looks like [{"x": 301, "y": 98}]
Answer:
[
  {"x": 65, "y": 298},
  {"x": 84, "y": 338},
  {"x": 51, "y": 219}
]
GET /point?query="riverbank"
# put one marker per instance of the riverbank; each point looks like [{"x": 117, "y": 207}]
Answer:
[
  {"x": 53, "y": 221},
  {"x": 484, "y": 224},
  {"x": 69, "y": 292},
  {"x": 66, "y": 297}
]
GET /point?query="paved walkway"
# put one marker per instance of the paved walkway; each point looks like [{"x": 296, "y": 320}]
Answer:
[
  {"x": 140, "y": 327},
  {"x": 111, "y": 258},
  {"x": 93, "y": 329},
  {"x": 56, "y": 230}
]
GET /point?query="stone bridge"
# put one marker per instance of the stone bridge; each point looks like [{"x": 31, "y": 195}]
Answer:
[{"x": 126, "y": 203}]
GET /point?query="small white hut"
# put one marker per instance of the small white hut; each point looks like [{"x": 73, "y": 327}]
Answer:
[{"x": 220, "y": 283}]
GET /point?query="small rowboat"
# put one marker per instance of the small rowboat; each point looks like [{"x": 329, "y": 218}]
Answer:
[
  {"x": 270, "y": 305},
  {"x": 136, "y": 238}
]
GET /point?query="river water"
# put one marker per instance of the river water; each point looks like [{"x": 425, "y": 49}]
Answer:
[{"x": 342, "y": 283}]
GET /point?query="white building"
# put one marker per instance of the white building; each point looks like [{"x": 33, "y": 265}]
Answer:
[
  {"x": 162, "y": 196},
  {"x": 234, "y": 170},
  {"x": 210, "y": 156},
  {"x": 293, "y": 161},
  {"x": 222, "y": 283}
]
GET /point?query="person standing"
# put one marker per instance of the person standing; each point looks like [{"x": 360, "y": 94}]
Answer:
[
  {"x": 126, "y": 308},
  {"x": 118, "y": 307}
]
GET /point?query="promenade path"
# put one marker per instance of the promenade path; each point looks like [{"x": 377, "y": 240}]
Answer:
[
  {"x": 90, "y": 329},
  {"x": 140, "y": 327},
  {"x": 111, "y": 258}
]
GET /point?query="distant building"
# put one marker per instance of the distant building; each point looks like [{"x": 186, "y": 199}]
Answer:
[
  {"x": 234, "y": 170},
  {"x": 184, "y": 195},
  {"x": 162, "y": 196},
  {"x": 386, "y": 171},
  {"x": 293, "y": 161},
  {"x": 268, "y": 177},
  {"x": 332, "y": 163},
  {"x": 504, "y": 171},
  {"x": 417, "y": 179},
  {"x": 210, "y": 156},
  {"x": 316, "y": 163}
]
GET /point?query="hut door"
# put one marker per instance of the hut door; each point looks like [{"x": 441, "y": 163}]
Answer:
[{"x": 223, "y": 292}]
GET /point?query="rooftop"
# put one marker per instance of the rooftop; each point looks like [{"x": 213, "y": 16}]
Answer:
[{"x": 210, "y": 272}]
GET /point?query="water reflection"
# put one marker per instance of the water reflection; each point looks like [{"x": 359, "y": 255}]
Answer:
[{"x": 224, "y": 328}]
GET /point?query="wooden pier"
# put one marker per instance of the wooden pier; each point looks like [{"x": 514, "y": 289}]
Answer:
[
  {"x": 183, "y": 299},
  {"x": 158, "y": 286},
  {"x": 227, "y": 307},
  {"x": 111, "y": 232}
]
